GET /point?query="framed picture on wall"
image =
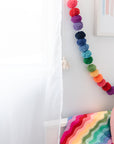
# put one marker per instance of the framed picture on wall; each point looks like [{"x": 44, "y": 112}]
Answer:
[{"x": 104, "y": 17}]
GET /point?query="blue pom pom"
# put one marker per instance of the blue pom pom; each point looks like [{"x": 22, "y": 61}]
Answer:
[
  {"x": 81, "y": 42},
  {"x": 84, "y": 48},
  {"x": 80, "y": 35},
  {"x": 87, "y": 54}
]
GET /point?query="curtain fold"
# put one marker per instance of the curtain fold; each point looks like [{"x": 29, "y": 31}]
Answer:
[{"x": 54, "y": 88}]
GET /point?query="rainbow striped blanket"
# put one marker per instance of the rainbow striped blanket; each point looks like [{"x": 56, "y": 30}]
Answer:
[{"x": 91, "y": 128}]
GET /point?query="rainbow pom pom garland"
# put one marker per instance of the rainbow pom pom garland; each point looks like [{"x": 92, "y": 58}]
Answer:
[{"x": 86, "y": 54}]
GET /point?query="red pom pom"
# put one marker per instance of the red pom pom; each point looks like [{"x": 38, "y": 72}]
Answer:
[
  {"x": 72, "y": 3},
  {"x": 102, "y": 83},
  {"x": 74, "y": 12},
  {"x": 107, "y": 87}
]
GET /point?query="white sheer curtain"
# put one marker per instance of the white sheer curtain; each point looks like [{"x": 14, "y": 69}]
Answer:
[
  {"x": 30, "y": 69},
  {"x": 54, "y": 91}
]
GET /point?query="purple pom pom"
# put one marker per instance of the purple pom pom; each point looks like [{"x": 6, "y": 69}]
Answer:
[
  {"x": 111, "y": 91},
  {"x": 78, "y": 26},
  {"x": 76, "y": 19}
]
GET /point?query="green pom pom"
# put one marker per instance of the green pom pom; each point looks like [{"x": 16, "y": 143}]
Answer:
[
  {"x": 91, "y": 68},
  {"x": 88, "y": 60}
]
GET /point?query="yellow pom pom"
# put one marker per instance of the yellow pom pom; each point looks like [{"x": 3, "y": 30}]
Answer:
[{"x": 94, "y": 73}]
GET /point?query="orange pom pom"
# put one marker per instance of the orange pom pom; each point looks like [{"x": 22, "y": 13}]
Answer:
[{"x": 98, "y": 78}]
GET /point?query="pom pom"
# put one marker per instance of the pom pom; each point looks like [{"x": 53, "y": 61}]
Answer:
[
  {"x": 76, "y": 19},
  {"x": 81, "y": 42},
  {"x": 84, "y": 48},
  {"x": 78, "y": 26},
  {"x": 74, "y": 12},
  {"x": 91, "y": 68},
  {"x": 98, "y": 79},
  {"x": 107, "y": 87},
  {"x": 88, "y": 60},
  {"x": 94, "y": 73},
  {"x": 80, "y": 35},
  {"x": 87, "y": 54},
  {"x": 111, "y": 91},
  {"x": 102, "y": 83},
  {"x": 72, "y": 3}
]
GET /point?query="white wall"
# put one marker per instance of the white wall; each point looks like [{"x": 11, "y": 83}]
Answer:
[{"x": 81, "y": 94}]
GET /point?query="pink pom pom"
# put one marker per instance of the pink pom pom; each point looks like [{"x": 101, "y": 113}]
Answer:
[
  {"x": 72, "y": 3},
  {"x": 102, "y": 83}
]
